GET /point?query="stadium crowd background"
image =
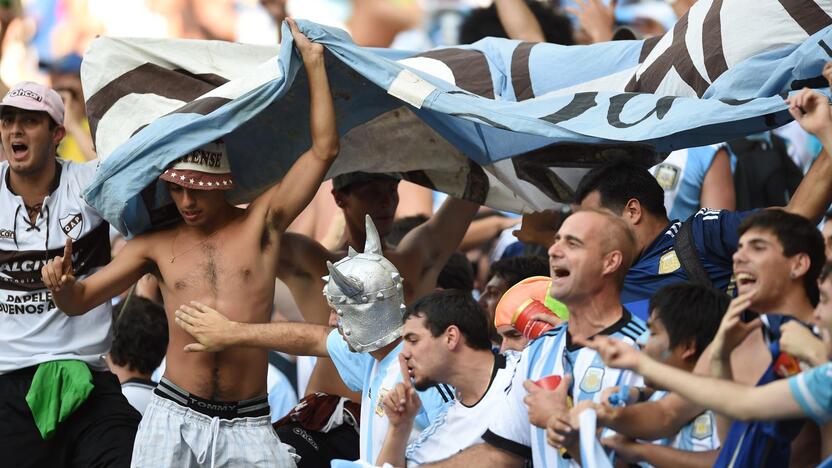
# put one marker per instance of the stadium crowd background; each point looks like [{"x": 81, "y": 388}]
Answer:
[{"x": 44, "y": 41}]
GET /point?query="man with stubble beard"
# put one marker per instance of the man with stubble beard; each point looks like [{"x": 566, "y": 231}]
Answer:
[{"x": 48, "y": 360}]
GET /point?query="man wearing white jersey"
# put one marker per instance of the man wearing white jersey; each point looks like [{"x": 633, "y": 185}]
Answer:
[
  {"x": 588, "y": 261},
  {"x": 49, "y": 360},
  {"x": 446, "y": 339},
  {"x": 366, "y": 293}
]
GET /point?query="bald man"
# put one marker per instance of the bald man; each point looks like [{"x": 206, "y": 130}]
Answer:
[{"x": 588, "y": 262}]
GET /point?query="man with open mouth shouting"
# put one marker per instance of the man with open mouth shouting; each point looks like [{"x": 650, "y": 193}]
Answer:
[{"x": 49, "y": 360}]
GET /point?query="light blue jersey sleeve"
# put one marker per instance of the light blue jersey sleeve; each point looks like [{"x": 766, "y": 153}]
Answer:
[
  {"x": 435, "y": 401},
  {"x": 351, "y": 366},
  {"x": 813, "y": 392},
  {"x": 282, "y": 396},
  {"x": 689, "y": 192}
]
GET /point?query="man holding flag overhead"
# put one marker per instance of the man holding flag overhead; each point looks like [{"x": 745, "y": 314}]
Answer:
[{"x": 214, "y": 404}]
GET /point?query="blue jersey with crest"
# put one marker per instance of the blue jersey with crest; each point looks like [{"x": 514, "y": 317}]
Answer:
[
  {"x": 715, "y": 235},
  {"x": 762, "y": 443}
]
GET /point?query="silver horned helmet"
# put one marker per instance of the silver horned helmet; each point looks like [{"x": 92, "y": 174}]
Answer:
[{"x": 366, "y": 291}]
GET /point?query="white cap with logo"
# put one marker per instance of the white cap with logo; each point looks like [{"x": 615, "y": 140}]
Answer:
[{"x": 32, "y": 96}]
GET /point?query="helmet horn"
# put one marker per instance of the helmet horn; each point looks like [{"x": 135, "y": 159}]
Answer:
[
  {"x": 373, "y": 242},
  {"x": 348, "y": 285}
]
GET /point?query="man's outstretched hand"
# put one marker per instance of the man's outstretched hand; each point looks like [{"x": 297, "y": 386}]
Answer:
[
  {"x": 595, "y": 18},
  {"x": 308, "y": 50},
  {"x": 212, "y": 331},
  {"x": 812, "y": 111},
  {"x": 539, "y": 228}
]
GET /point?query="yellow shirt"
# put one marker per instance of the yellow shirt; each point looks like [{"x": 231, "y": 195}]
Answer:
[{"x": 69, "y": 148}]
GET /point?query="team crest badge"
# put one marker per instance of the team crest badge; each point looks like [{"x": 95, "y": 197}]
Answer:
[
  {"x": 667, "y": 176},
  {"x": 702, "y": 427},
  {"x": 669, "y": 263},
  {"x": 71, "y": 225},
  {"x": 592, "y": 380},
  {"x": 379, "y": 406}
]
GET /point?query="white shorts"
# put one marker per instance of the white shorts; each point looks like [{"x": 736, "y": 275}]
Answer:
[{"x": 172, "y": 435}]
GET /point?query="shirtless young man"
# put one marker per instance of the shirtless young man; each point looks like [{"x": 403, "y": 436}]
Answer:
[
  {"x": 226, "y": 257},
  {"x": 366, "y": 294}
]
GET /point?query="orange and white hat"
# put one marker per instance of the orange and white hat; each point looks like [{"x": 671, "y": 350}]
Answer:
[
  {"x": 205, "y": 168},
  {"x": 517, "y": 298}
]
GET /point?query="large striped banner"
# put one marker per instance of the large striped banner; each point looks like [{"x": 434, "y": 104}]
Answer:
[{"x": 510, "y": 124}]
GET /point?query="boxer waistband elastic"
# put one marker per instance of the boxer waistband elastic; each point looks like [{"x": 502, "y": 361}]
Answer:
[{"x": 251, "y": 408}]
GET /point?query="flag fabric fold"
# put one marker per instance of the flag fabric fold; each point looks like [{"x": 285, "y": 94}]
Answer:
[{"x": 510, "y": 124}]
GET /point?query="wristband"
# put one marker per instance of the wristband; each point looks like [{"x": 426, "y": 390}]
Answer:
[{"x": 621, "y": 397}]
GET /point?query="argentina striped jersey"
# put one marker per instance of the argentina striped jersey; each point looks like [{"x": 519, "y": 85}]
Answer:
[{"x": 555, "y": 354}]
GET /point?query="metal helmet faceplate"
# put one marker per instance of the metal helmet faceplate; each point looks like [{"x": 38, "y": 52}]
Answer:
[{"x": 366, "y": 291}]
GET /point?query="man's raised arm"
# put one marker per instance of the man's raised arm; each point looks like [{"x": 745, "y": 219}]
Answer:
[
  {"x": 77, "y": 297},
  {"x": 814, "y": 194},
  {"x": 649, "y": 420},
  {"x": 293, "y": 193},
  {"x": 301, "y": 264},
  {"x": 737, "y": 401},
  {"x": 214, "y": 332},
  {"x": 519, "y": 21},
  {"x": 433, "y": 242}
]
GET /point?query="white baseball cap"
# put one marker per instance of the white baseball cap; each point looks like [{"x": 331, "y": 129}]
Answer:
[{"x": 32, "y": 96}]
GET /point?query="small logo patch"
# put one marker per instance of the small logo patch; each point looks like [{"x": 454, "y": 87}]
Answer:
[
  {"x": 72, "y": 224},
  {"x": 6, "y": 234},
  {"x": 25, "y": 93},
  {"x": 667, "y": 176},
  {"x": 379, "y": 405},
  {"x": 702, "y": 427},
  {"x": 669, "y": 263},
  {"x": 592, "y": 380}
]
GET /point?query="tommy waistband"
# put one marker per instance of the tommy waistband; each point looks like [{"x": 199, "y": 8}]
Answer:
[{"x": 252, "y": 408}]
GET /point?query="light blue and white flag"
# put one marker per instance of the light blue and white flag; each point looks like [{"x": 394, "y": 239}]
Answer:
[{"x": 499, "y": 122}]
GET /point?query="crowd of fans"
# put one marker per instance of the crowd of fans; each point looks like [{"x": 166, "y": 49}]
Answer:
[{"x": 685, "y": 306}]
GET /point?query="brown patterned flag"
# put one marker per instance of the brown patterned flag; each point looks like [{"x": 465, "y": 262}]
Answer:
[{"x": 509, "y": 124}]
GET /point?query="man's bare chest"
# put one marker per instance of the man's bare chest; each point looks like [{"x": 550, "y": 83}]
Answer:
[{"x": 215, "y": 267}]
